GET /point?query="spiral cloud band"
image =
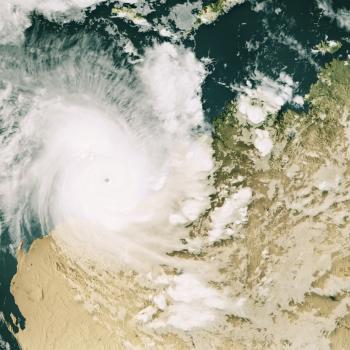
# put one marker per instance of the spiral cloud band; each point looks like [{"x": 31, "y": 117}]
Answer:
[{"x": 128, "y": 156}]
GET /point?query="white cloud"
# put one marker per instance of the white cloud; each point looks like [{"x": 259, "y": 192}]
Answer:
[
  {"x": 232, "y": 213},
  {"x": 263, "y": 142},
  {"x": 268, "y": 96},
  {"x": 123, "y": 170},
  {"x": 193, "y": 303},
  {"x": 14, "y": 14},
  {"x": 341, "y": 16}
]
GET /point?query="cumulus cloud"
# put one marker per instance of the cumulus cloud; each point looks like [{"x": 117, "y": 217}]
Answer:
[{"x": 255, "y": 103}]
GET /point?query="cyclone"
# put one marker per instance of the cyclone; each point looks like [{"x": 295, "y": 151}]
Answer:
[{"x": 126, "y": 153}]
